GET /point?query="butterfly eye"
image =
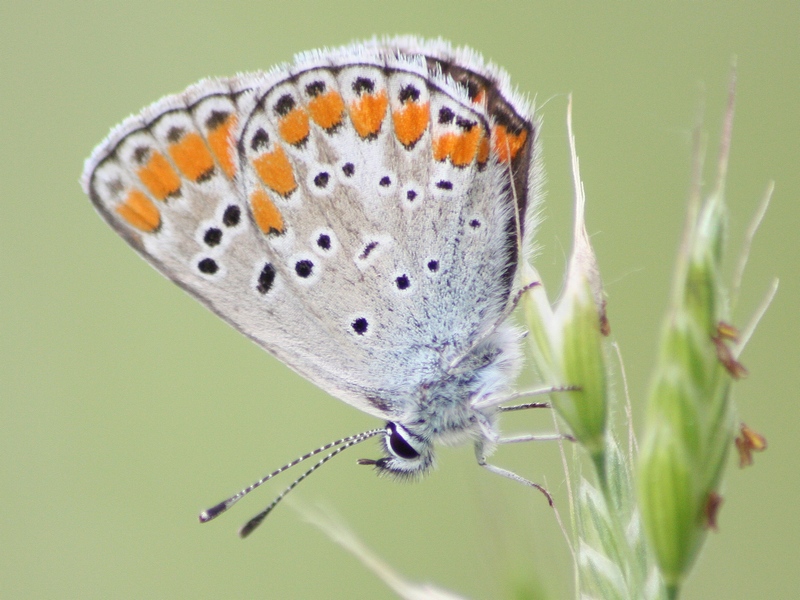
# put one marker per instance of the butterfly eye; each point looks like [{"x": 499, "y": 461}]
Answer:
[{"x": 398, "y": 442}]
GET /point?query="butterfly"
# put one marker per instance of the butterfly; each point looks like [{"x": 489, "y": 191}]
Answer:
[{"x": 361, "y": 214}]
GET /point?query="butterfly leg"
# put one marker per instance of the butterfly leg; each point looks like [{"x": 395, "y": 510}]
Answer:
[
  {"x": 495, "y": 400},
  {"x": 488, "y": 401},
  {"x": 481, "y": 456},
  {"x": 550, "y": 389},
  {"x": 527, "y": 437}
]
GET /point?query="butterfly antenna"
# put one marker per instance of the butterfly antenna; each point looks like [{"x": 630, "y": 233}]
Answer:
[
  {"x": 220, "y": 508},
  {"x": 248, "y": 527}
]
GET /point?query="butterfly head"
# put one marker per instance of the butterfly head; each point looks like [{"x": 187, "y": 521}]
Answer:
[{"x": 407, "y": 455}]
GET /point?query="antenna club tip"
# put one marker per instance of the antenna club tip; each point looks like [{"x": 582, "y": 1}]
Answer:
[
  {"x": 212, "y": 512},
  {"x": 251, "y": 525}
]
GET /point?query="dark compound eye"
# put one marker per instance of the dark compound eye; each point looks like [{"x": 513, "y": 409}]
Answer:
[{"x": 399, "y": 446}]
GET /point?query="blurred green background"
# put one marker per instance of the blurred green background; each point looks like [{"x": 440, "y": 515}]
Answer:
[{"x": 126, "y": 407}]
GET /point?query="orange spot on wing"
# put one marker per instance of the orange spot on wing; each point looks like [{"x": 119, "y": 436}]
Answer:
[
  {"x": 275, "y": 171},
  {"x": 480, "y": 96},
  {"x": 410, "y": 122},
  {"x": 266, "y": 214},
  {"x": 466, "y": 147},
  {"x": 443, "y": 145},
  {"x": 139, "y": 211},
  {"x": 159, "y": 176},
  {"x": 327, "y": 109},
  {"x": 294, "y": 126},
  {"x": 221, "y": 141},
  {"x": 367, "y": 113},
  {"x": 192, "y": 156},
  {"x": 507, "y": 145},
  {"x": 460, "y": 148}
]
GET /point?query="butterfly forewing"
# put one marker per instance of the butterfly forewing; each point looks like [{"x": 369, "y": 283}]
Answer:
[{"x": 334, "y": 211}]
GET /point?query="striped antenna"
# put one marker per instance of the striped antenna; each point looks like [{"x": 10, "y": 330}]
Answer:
[{"x": 339, "y": 445}]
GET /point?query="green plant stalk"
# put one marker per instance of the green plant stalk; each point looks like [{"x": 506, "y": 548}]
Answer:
[
  {"x": 568, "y": 348},
  {"x": 690, "y": 416}
]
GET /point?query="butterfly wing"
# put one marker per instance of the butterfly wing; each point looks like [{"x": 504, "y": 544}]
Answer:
[{"x": 353, "y": 217}]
